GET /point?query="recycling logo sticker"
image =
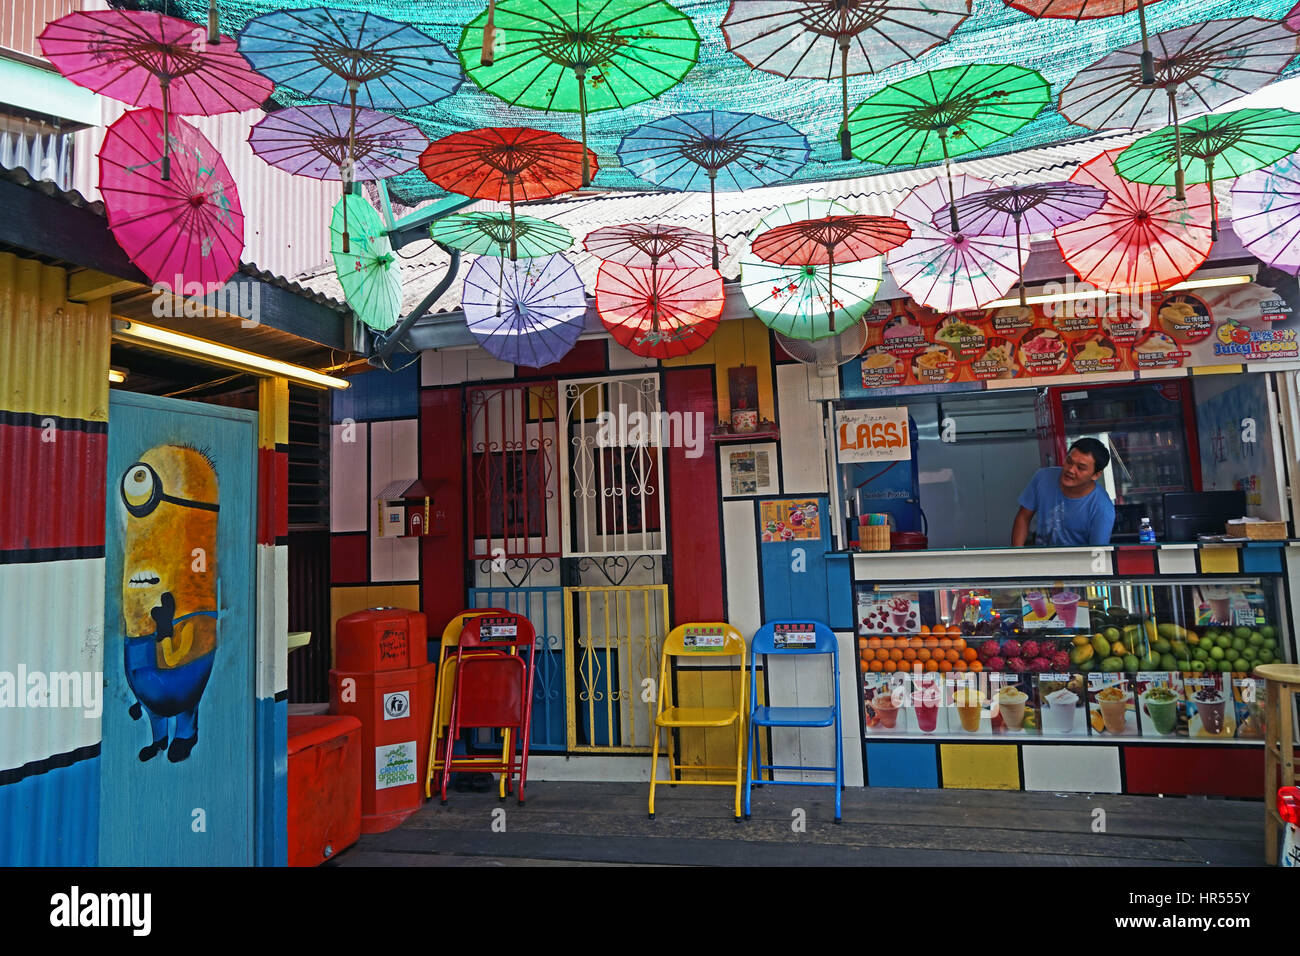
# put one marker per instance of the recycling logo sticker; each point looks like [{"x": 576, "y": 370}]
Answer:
[{"x": 397, "y": 705}]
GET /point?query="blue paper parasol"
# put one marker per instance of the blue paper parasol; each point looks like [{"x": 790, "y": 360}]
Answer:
[
  {"x": 694, "y": 151},
  {"x": 529, "y": 312}
]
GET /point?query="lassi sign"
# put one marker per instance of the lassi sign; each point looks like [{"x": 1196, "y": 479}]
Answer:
[{"x": 872, "y": 434}]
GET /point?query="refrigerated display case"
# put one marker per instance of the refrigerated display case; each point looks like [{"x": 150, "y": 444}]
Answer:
[
  {"x": 1150, "y": 431},
  {"x": 1165, "y": 660}
]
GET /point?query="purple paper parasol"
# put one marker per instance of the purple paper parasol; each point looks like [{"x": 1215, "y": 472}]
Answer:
[
  {"x": 529, "y": 312},
  {"x": 313, "y": 141},
  {"x": 1266, "y": 213}
]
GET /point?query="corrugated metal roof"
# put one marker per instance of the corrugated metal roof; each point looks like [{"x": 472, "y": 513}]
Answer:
[{"x": 738, "y": 212}]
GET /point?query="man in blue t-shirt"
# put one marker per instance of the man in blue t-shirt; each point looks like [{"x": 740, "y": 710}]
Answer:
[{"x": 1073, "y": 510}]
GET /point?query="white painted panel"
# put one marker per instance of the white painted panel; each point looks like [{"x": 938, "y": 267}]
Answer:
[
  {"x": 406, "y": 462},
  {"x": 272, "y": 620},
  {"x": 1175, "y": 560},
  {"x": 1090, "y": 769},
  {"x": 620, "y": 358},
  {"x": 381, "y": 473},
  {"x": 852, "y": 733},
  {"x": 349, "y": 493},
  {"x": 52, "y": 625},
  {"x": 741, "y": 541},
  {"x": 803, "y": 447},
  {"x": 482, "y": 367},
  {"x": 431, "y": 368},
  {"x": 1005, "y": 562}
]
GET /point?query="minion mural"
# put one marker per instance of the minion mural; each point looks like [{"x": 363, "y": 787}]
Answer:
[{"x": 169, "y": 592}]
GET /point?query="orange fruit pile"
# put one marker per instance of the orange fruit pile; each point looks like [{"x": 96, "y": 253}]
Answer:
[{"x": 936, "y": 648}]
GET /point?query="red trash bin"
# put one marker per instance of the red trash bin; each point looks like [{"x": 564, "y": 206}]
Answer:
[
  {"x": 382, "y": 678},
  {"x": 324, "y": 787}
]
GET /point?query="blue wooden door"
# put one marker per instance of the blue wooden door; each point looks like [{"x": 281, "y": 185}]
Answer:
[{"x": 177, "y": 760}]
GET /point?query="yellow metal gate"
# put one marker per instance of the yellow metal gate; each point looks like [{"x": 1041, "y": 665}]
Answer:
[{"x": 612, "y": 640}]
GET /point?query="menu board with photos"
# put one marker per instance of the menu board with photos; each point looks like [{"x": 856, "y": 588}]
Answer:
[{"x": 911, "y": 345}]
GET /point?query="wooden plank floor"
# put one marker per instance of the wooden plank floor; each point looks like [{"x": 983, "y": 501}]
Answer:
[{"x": 589, "y": 824}]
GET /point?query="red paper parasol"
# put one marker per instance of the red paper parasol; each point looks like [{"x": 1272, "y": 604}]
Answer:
[
  {"x": 659, "y": 313},
  {"x": 506, "y": 165},
  {"x": 830, "y": 239},
  {"x": 1091, "y": 10},
  {"x": 1142, "y": 239},
  {"x": 147, "y": 59},
  {"x": 180, "y": 231}
]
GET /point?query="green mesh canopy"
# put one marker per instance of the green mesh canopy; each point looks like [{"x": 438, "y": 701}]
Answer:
[{"x": 1058, "y": 49}]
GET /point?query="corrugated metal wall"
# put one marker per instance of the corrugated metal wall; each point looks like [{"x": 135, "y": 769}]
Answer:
[
  {"x": 53, "y": 455},
  {"x": 21, "y": 21}
]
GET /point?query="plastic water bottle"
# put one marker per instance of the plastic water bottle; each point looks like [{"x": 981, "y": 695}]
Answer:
[{"x": 1146, "y": 533}]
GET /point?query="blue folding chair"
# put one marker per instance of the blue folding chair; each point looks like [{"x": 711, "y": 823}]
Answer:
[{"x": 803, "y": 639}]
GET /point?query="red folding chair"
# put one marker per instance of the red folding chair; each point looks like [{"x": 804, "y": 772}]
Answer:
[{"x": 493, "y": 688}]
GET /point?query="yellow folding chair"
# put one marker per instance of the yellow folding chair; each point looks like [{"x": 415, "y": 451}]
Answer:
[
  {"x": 718, "y": 641},
  {"x": 446, "y": 680}
]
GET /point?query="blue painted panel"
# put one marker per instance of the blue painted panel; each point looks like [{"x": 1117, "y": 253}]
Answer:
[
  {"x": 839, "y": 593},
  {"x": 902, "y": 765},
  {"x": 1261, "y": 558},
  {"x": 380, "y": 394},
  {"x": 196, "y": 809},
  {"x": 544, "y": 608},
  {"x": 50, "y": 818},
  {"x": 796, "y": 594},
  {"x": 272, "y": 782}
]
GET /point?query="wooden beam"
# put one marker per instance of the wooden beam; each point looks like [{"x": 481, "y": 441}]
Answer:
[{"x": 86, "y": 285}]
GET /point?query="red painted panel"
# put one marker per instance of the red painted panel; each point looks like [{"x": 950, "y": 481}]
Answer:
[
  {"x": 349, "y": 554},
  {"x": 1203, "y": 771},
  {"x": 587, "y": 356},
  {"x": 54, "y": 483},
  {"x": 272, "y": 495},
  {"x": 442, "y": 460},
  {"x": 1135, "y": 560},
  {"x": 694, "y": 505}
]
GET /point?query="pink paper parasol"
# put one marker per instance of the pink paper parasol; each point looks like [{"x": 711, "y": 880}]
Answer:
[
  {"x": 950, "y": 271},
  {"x": 641, "y": 245},
  {"x": 1266, "y": 213},
  {"x": 186, "y": 230},
  {"x": 147, "y": 59},
  {"x": 1142, "y": 239}
]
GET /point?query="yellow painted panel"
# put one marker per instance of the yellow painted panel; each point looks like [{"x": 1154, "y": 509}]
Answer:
[
  {"x": 53, "y": 353},
  {"x": 272, "y": 412},
  {"x": 358, "y": 597},
  {"x": 1220, "y": 560},
  {"x": 980, "y": 767},
  {"x": 709, "y": 746},
  {"x": 736, "y": 342},
  {"x": 1217, "y": 369}
]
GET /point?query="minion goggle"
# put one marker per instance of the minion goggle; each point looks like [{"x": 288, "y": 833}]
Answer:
[{"x": 142, "y": 490}]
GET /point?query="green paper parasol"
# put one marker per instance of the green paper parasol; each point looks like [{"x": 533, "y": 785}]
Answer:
[
  {"x": 491, "y": 233},
  {"x": 368, "y": 272},
  {"x": 579, "y": 57}
]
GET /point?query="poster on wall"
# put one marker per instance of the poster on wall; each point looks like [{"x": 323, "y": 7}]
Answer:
[
  {"x": 790, "y": 519},
  {"x": 1220, "y": 325},
  {"x": 872, "y": 434}
]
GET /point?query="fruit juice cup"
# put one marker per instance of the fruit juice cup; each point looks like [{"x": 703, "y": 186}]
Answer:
[
  {"x": 1220, "y": 599},
  {"x": 899, "y": 611},
  {"x": 1113, "y": 703},
  {"x": 1067, "y": 606},
  {"x": 970, "y": 704},
  {"x": 926, "y": 705},
  {"x": 1011, "y": 705},
  {"x": 886, "y": 709},
  {"x": 1038, "y": 601},
  {"x": 1209, "y": 704},
  {"x": 1058, "y": 711},
  {"x": 1162, "y": 708}
]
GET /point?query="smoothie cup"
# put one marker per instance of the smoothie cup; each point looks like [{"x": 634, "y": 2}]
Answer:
[
  {"x": 1038, "y": 601},
  {"x": 1067, "y": 606},
  {"x": 1209, "y": 704},
  {"x": 885, "y": 708},
  {"x": 1011, "y": 704},
  {"x": 1113, "y": 703},
  {"x": 970, "y": 704},
  {"x": 1058, "y": 711},
  {"x": 1160, "y": 704},
  {"x": 926, "y": 704},
  {"x": 1220, "y": 599}
]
